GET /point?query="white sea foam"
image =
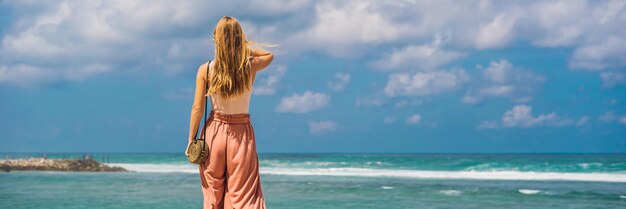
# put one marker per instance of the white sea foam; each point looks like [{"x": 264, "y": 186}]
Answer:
[
  {"x": 317, "y": 163},
  {"x": 588, "y": 165},
  {"x": 386, "y": 187},
  {"x": 529, "y": 191},
  {"x": 422, "y": 174},
  {"x": 478, "y": 175},
  {"x": 158, "y": 168},
  {"x": 377, "y": 163},
  {"x": 622, "y": 196},
  {"x": 450, "y": 192}
]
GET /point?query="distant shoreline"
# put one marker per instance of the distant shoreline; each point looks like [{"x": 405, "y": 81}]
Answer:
[{"x": 43, "y": 164}]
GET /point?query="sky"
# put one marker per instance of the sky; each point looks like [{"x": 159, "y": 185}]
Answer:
[{"x": 348, "y": 76}]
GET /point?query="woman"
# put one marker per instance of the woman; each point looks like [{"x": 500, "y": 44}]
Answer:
[{"x": 230, "y": 175}]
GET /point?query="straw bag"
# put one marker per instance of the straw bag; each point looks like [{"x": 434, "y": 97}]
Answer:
[{"x": 198, "y": 149}]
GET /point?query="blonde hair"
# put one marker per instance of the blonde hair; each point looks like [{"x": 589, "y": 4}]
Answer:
[{"x": 232, "y": 63}]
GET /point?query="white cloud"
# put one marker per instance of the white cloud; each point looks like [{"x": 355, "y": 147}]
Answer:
[
  {"x": 30, "y": 76},
  {"x": 424, "y": 83},
  {"x": 340, "y": 82},
  {"x": 498, "y": 72},
  {"x": 610, "y": 116},
  {"x": 319, "y": 127},
  {"x": 521, "y": 116},
  {"x": 389, "y": 119},
  {"x": 582, "y": 121},
  {"x": 356, "y": 21},
  {"x": 266, "y": 85},
  {"x": 372, "y": 102},
  {"x": 307, "y": 102},
  {"x": 496, "y": 33},
  {"x": 158, "y": 34},
  {"x": 74, "y": 40},
  {"x": 278, "y": 7},
  {"x": 496, "y": 90},
  {"x": 469, "y": 99},
  {"x": 584, "y": 25},
  {"x": 30, "y": 43},
  {"x": 414, "y": 119},
  {"x": 608, "y": 53},
  {"x": 502, "y": 79},
  {"x": 559, "y": 23},
  {"x": 488, "y": 125},
  {"x": 412, "y": 102},
  {"x": 338, "y": 27},
  {"x": 422, "y": 57},
  {"x": 23, "y": 75},
  {"x": 611, "y": 79}
]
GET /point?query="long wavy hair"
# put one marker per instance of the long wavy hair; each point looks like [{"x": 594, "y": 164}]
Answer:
[{"x": 232, "y": 64}]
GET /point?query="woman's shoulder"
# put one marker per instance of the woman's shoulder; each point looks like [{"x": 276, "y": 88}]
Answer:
[{"x": 202, "y": 69}]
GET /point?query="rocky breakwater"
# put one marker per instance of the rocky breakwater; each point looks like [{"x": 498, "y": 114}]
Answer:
[{"x": 42, "y": 164}]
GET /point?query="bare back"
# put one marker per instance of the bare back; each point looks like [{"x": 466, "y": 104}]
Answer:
[{"x": 234, "y": 105}]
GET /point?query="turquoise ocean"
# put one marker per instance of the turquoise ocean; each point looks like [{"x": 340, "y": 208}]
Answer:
[{"x": 167, "y": 180}]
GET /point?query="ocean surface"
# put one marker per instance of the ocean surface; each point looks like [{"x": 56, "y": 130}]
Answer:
[{"x": 167, "y": 180}]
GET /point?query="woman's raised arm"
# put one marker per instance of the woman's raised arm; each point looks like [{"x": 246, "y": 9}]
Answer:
[{"x": 261, "y": 59}]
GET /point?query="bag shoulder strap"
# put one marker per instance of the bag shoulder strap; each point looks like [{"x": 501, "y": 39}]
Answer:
[{"x": 206, "y": 100}]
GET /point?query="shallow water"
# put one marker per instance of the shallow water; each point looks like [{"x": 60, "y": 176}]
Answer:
[{"x": 339, "y": 181}]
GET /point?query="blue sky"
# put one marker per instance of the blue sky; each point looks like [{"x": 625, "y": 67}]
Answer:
[{"x": 348, "y": 76}]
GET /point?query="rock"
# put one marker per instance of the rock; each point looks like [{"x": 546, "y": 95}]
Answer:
[{"x": 42, "y": 164}]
